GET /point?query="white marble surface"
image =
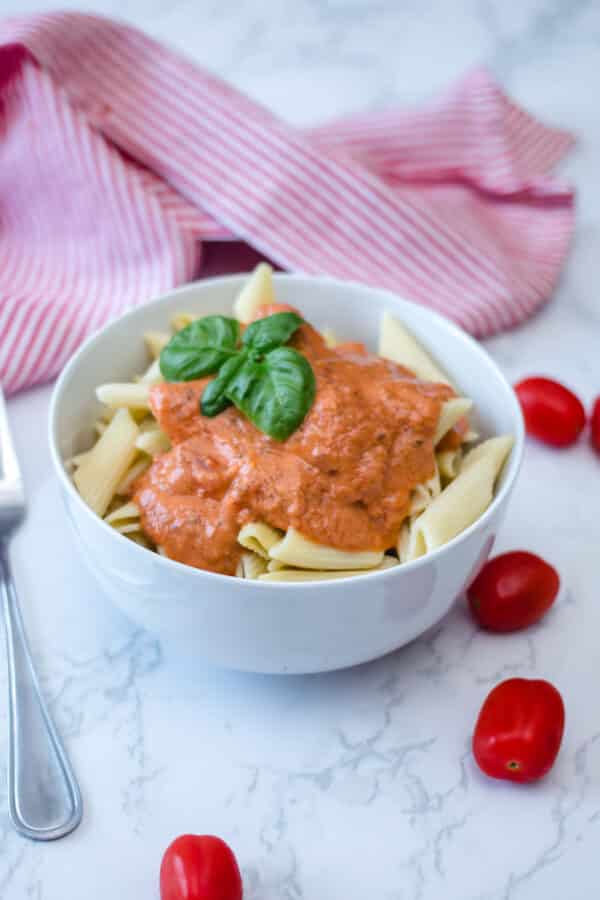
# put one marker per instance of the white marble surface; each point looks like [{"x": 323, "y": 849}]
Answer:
[{"x": 358, "y": 784}]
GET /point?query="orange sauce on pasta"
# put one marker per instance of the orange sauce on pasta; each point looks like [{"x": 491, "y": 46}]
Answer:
[{"x": 344, "y": 478}]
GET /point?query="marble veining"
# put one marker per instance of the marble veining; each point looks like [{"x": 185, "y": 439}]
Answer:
[{"x": 361, "y": 783}]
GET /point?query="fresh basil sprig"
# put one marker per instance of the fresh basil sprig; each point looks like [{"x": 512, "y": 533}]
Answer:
[
  {"x": 273, "y": 385},
  {"x": 200, "y": 348}
]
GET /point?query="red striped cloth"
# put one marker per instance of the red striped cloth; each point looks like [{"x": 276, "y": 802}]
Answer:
[{"x": 120, "y": 161}]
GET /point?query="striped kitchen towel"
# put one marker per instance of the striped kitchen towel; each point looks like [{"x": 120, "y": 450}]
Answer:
[{"x": 121, "y": 161}]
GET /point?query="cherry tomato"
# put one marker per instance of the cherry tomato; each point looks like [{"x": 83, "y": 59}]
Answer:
[
  {"x": 513, "y": 591},
  {"x": 519, "y": 730},
  {"x": 595, "y": 423},
  {"x": 199, "y": 867},
  {"x": 552, "y": 412}
]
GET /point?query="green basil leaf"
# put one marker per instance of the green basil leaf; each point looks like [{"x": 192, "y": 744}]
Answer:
[
  {"x": 214, "y": 400},
  {"x": 275, "y": 393},
  {"x": 271, "y": 332},
  {"x": 200, "y": 348}
]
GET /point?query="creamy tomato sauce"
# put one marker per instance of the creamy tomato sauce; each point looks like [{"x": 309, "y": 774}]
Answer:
[{"x": 344, "y": 478}]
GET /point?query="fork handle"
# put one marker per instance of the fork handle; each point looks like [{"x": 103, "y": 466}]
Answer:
[{"x": 43, "y": 795}]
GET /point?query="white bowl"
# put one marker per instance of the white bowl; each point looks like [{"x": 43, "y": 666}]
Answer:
[{"x": 270, "y": 627}]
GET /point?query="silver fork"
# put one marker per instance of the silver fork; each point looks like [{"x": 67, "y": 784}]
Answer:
[{"x": 44, "y": 801}]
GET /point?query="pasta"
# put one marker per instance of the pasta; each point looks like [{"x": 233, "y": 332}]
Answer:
[
  {"x": 129, "y": 395},
  {"x": 296, "y": 550},
  {"x": 257, "y": 291},
  {"x": 448, "y": 463},
  {"x": 137, "y": 469},
  {"x": 152, "y": 375},
  {"x": 129, "y": 439},
  {"x": 459, "y": 504},
  {"x": 155, "y": 341},
  {"x": 425, "y": 493},
  {"x": 127, "y": 511},
  {"x": 291, "y": 575},
  {"x": 251, "y": 565},
  {"x": 260, "y": 538},
  {"x": 330, "y": 337},
  {"x": 105, "y": 465},
  {"x": 452, "y": 411},
  {"x": 181, "y": 320},
  {"x": 153, "y": 441},
  {"x": 398, "y": 344}
]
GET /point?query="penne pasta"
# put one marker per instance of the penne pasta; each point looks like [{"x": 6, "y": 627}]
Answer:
[
  {"x": 152, "y": 375},
  {"x": 387, "y": 562},
  {"x": 494, "y": 452},
  {"x": 452, "y": 410},
  {"x": 251, "y": 565},
  {"x": 398, "y": 344},
  {"x": 100, "y": 427},
  {"x": 127, "y": 527},
  {"x": 459, "y": 504},
  {"x": 425, "y": 493},
  {"x": 137, "y": 469},
  {"x": 108, "y": 461},
  {"x": 127, "y": 511},
  {"x": 330, "y": 337},
  {"x": 402, "y": 547},
  {"x": 182, "y": 319},
  {"x": 257, "y": 291},
  {"x": 296, "y": 550},
  {"x": 449, "y": 462},
  {"x": 135, "y": 396},
  {"x": 259, "y": 537},
  {"x": 75, "y": 461},
  {"x": 155, "y": 341},
  {"x": 153, "y": 441},
  {"x": 274, "y": 565}
]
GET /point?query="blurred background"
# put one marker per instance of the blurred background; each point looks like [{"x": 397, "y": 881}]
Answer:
[{"x": 310, "y": 60}]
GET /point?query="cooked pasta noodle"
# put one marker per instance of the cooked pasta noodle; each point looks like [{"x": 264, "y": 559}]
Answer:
[
  {"x": 291, "y": 575},
  {"x": 460, "y": 504},
  {"x": 152, "y": 375},
  {"x": 257, "y": 291},
  {"x": 155, "y": 341},
  {"x": 259, "y": 537},
  {"x": 153, "y": 441},
  {"x": 398, "y": 344},
  {"x": 181, "y": 320},
  {"x": 251, "y": 565},
  {"x": 127, "y": 511},
  {"x": 330, "y": 337},
  {"x": 131, "y": 395},
  {"x": 448, "y": 462},
  {"x": 138, "y": 468},
  {"x": 296, "y": 550},
  {"x": 423, "y": 494},
  {"x": 105, "y": 465},
  {"x": 452, "y": 411}
]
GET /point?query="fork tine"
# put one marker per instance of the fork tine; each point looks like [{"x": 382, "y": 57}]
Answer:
[{"x": 9, "y": 466}]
